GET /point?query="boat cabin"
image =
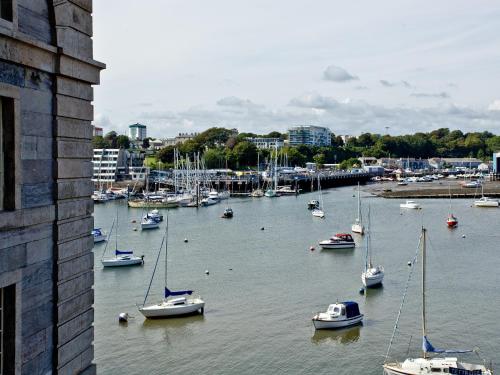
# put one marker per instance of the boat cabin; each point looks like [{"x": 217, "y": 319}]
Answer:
[
  {"x": 344, "y": 310},
  {"x": 343, "y": 237}
]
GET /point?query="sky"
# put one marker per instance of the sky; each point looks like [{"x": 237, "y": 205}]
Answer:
[{"x": 365, "y": 66}]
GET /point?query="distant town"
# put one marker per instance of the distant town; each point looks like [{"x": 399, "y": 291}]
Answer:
[{"x": 132, "y": 157}]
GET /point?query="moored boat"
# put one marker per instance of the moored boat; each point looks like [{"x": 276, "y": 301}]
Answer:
[
  {"x": 312, "y": 204},
  {"x": 99, "y": 235},
  {"x": 451, "y": 221},
  {"x": 338, "y": 315},
  {"x": 339, "y": 241},
  {"x": 410, "y": 205}
]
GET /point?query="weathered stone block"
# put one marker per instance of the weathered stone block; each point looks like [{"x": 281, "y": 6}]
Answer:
[
  {"x": 77, "y": 247},
  {"x": 10, "y": 220},
  {"x": 41, "y": 364},
  {"x": 74, "y": 43},
  {"x": 74, "y": 307},
  {"x": 74, "y": 149},
  {"x": 24, "y": 54},
  {"x": 37, "y": 195},
  {"x": 39, "y": 251},
  {"x": 69, "y": 230},
  {"x": 75, "y": 347},
  {"x": 34, "y": 320},
  {"x": 75, "y": 286},
  {"x": 85, "y": 4},
  {"x": 37, "y": 171},
  {"x": 33, "y": 23},
  {"x": 78, "y": 69},
  {"x": 11, "y": 73},
  {"x": 37, "y": 124},
  {"x": 71, "y": 15},
  {"x": 74, "y": 168},
  {"x": 75, "y": 267},
  {"x": 74, "y": 327},
  {"x": 39, "y": 294},
  {"x": 36, "y": 101},
  {"x": 73, "y": 88},
  {"x": 36, "y": 148},
  {"x": 24, "y": 235},
  {"x": 38, "y": 215},
  {"x": 38, "y": 80},
  {"x": 73, "y": 128},
  {"x": 13, "y": 258},
  {"x": 68, "y": 106},
  {"x": 67, "y": 189},
  {"x": 37, "y": 344},
  {"x": 83, "y": 362}
]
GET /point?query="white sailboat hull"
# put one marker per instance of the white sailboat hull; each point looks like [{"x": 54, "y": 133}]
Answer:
[
  {"x": 489, "y": 203},
  {"x": 372, "y": 279},
  {"x": 425, "y": 366},
  {"x": 335, "y": 324},
  {"x": 167, "y": 309},
  {"x": 98, "y": 239},
  {"x": 318, "y": 213},
  {"x": 122, "y": 261},
  {"x": 152, "y": 225},
  {"x": 358, "y": 228}
]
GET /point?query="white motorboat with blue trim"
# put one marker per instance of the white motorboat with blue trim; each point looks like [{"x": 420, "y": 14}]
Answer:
[
  {"x": 339, "y": 241},
  {"x": 338, "y": 315},
  {"x": 99, "y": 235}
]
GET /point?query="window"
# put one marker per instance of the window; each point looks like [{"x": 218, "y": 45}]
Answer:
[
  {"x": 7, "y": 330},
  {"x": 6, "y": 10},
  {"x": 7, "y": 154}
]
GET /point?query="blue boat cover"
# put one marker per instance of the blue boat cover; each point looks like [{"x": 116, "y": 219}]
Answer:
[
  {"x": 96, "y": 231},
  {"x": 428, "y": 348},
  {"x": 168, "y": 292},
  {"x": 118, "y": 252},
  {"x": 351, "y": 309},
  {"x": 460, "y": 371}
]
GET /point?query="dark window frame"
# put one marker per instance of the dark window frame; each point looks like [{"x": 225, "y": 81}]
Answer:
[{"x": 8, "y": 15}]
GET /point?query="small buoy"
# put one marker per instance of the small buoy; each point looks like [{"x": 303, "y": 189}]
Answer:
[
  {"x": 262, "y": 228},
  {"x": 362, "y": 291},
  {"x": 123, "y": 317},
  {"x": 135, "y": 229},
  {"x": 134, "y": 221},
  {"x": 185, "y": 240},
  {"x": 463, "y": 235},
  {"x": 311, "y": 248},
  {"x": 354, "y": 196},
  {"x": 409, "y": 264},
  {"x": 206, "y": 272},
  {"x": 230, "y": 269}
]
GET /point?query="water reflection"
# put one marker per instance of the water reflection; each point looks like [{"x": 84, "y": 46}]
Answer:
[
  {"x": 172, "y": 323},
  {"x": 339, "y": 336}
]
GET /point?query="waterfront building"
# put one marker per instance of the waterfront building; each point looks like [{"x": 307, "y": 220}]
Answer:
[
  {"x": 156, "y": 144},
  {"x": 137, "y": 132},
  {"x": 138, "y": 173},
  {"x": 412, "y": 164},
  {"x": 266, "y": 143},
  {"x": 367, "y": 160},
  {"x": 180, "y": 138},
  {"x": 469, "y": 163},
  {"x": 98, "y": 132},
  {"x": 309, "y": 135},
  {"x": 46, "y": 261},
  {"x": 106, "y": 164},
  {"x": 496, "y": 162},
  {"x": 374, "y": 169}
]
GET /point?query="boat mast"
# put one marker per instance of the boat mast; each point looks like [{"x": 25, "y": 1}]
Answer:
[
  {"x": 359, "y": 205},
  {"x": 258, "y": 170},
  {"x": 423, "y": 285},
  {"x": 368, "y": 241},
  {"x": 116, "y": 232},
  {"x": 166, "y": 248}
]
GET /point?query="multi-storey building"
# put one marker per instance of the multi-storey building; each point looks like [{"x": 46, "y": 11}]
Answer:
[
  {"x": 137, "y": 132},
  {"x": 46, "y": 263},
  {"x": 97, "y": 131},
  {"x": 266, "y": 143},
  {"x": 309, "y": 135},
  {"x": 106, "y": 164}
]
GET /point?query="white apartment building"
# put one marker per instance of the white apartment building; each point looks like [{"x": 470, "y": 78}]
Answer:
[
  {"x": 266, "y": 143},
  {"x": 309, "y": 135},
  {"x": 106, "y": 162}
]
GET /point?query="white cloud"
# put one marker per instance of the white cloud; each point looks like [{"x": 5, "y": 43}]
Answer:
[
  {"x": 442, "y": 95},
  {"x": 337, "y": 74},
  {"x": 233, "y": 101},
  {"x": 495, "y": 106}
]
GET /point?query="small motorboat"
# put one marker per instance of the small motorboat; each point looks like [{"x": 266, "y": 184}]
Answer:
[
  {"x": 123, "y": 258},
  {"x": 338, "y": 315},
  {"x": 452, "y": 221},
  {"x": 410, "y": 205},
  {"x": 318, "y": 213},
  {"x": 270, "y": 193},
  {"x": 339, "y": 241},
  {"x": 402, "y": 183},
  {"x": 312, "y": 204},
  {"x": 209, "y": 201},
  {"x": 99, "y": 235},
  {"x": 257, "y": 193},
  {"x": 155, "y": 215},
  {"x": 149, "y": 223},
  {"x": 486, "y": 202},
  {"x": 228, "y": 213}
]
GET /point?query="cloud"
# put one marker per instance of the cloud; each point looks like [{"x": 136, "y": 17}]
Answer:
[
  {"x": 102, "y": 120},
  {"x": 145, "y": 104},
  {"x": 361, "y": 88},
  {"x": 233, "y": 101},
  {"x": 338, "y": 74},
  {"x": 315, "y": 101},
  {"x": 495, "y": 106},
  {"x": 452, "y": 85},
  {"x": 404, "y": 84},
  {"x": 442, "y": 95}
]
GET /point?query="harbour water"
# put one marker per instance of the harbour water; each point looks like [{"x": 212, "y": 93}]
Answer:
[{"x": 265, "y": 285}]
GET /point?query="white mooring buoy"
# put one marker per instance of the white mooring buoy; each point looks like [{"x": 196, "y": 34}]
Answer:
[{"x": 123, "y": 317}]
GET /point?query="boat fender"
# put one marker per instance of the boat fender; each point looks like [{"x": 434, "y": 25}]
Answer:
[
  {"x": 185, "y": 240},
  {"x": 311, "y": 248},
  {"x": 409, "y": 264},
  {"x": 362, "y": 291},
  {"x": 123, "y": 317},
  {"x": 463, "y": 235},
  {"x": 262, "y": 228},
  {"x": 202, "y": 310},
  {"x": 135, "y": 229},
  {"x": 207, "y": 272},
  {"x": 134, "y": 221}
]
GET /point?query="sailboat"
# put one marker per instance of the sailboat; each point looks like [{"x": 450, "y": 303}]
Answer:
[
  {"x": 371, "y": 276},
  {"x": 228, "y": 211},
  {"x": 174, "y": 303},
  {"x": 257, "y": 193},
  {"x": 427, "y": 365},
  {"x": 485, "y": 201},
  {"x": 318, "y": 211},
  {"x": 452, "y": 220},
  {"x": 122, "y": 257},
  {"x": 271, "y": 192},
  {"x": 358, "y": 227}
]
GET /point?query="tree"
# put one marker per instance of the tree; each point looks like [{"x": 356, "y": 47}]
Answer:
[
  {"x": 166, "y": 154},
  {"x": 319, "y": 159},
  {"x": 245, "y": 153},
  {"x": 145, "y": 142},
  {"x": 190, "y": 147},
  {"x": 111, "y": 139},
  {"x": 295, "y": 158},
  {"x": 122, "y": 141},
  {"x": 99, "y": 142},
  {"x": 349, "y": 163},
  {"x": 214, "y": 158}
]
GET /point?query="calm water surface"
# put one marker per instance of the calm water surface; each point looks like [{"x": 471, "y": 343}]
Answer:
[{"x": 264, "y": 287}]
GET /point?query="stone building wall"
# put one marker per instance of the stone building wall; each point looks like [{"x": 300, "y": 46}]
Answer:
[{"x": 47, "y": 68}]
